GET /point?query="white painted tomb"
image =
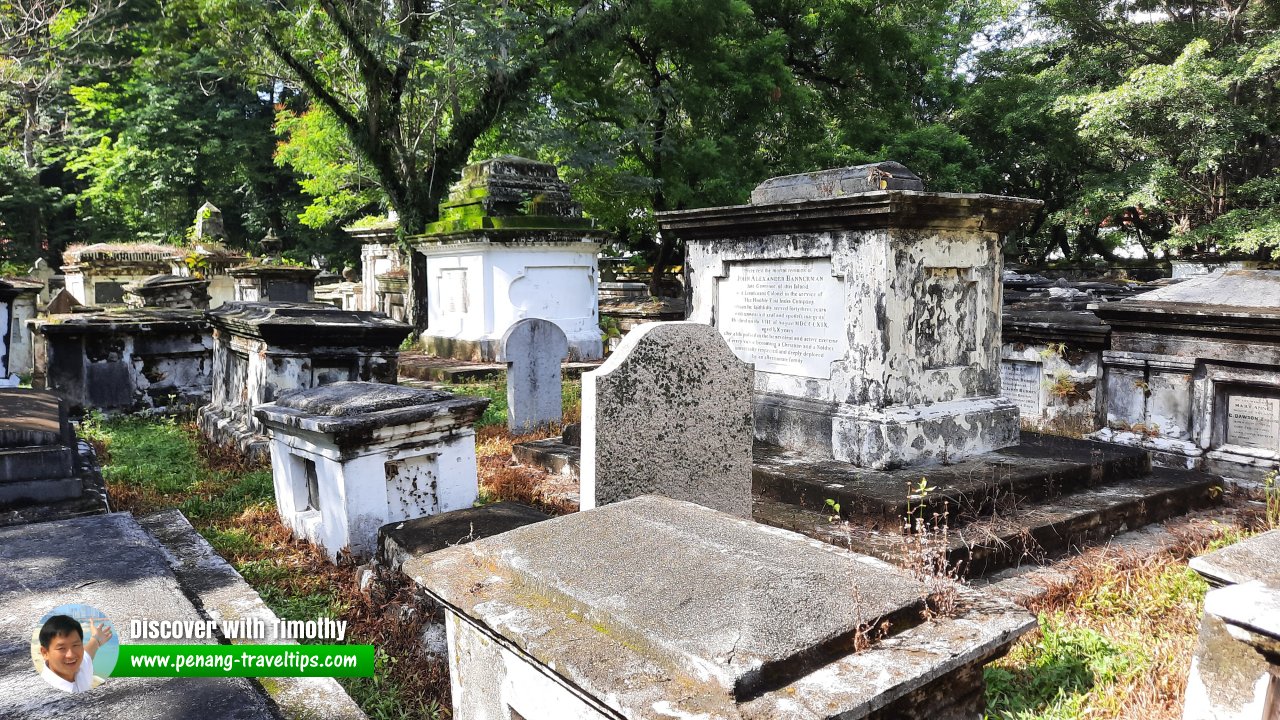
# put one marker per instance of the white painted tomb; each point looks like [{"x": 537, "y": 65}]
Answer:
[
  {"x": 511, "y": 244},
  {"x": 350, "y": 457}
]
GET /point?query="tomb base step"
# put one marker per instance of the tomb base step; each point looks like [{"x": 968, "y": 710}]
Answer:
[
  {"x": 89, "y": 495},
  {"x": 1039, "y": 467},
  {"x": 1018, "y": 533},
  {"x": 418, "y": 366},
  {"x": 551, "y": 455}
]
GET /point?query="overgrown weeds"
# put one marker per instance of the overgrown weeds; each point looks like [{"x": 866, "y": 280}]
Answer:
[{"x": 1115, "y": 639}]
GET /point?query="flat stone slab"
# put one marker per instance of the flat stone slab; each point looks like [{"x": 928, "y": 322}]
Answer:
[
  {"x": 1256, "y": 558},
  {"x": 659, "y": 572},
  {"x": 836, "y": 182},
  {"x": 745, "y": 620},
  {"x": 418, "y": 366},
  {"x": 225, "y": 596},
  {"x": 552, "y": 455},
  {"x": 399, "y": 541},
  {"x": 1039, "y": 466},
  {"x": 354, "y": 408},
  {"x": 31, "y": 417},
  {"x": 1254, "y": 606},
  {"x": 111, "y": 563}
]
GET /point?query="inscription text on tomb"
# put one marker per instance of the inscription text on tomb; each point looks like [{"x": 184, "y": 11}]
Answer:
[
  {"x": 786, "y": 316},
  {"x": 1253, "y": 422}
]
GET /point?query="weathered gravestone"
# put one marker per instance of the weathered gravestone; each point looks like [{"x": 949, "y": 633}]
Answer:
[
  {"x": 533, "y": 349},
  {"x": 350, "y": 457},
  {"x": 1232, "y": 677},
  {"x": 677, "y": 611},
  {"x": 870, "y": 310},
  {"x": 670, "y": 414},
  {"x": 208, "y": 225}
]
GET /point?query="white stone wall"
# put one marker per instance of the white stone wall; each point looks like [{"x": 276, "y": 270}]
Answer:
[
  {"x": 489, "y": 682},
  {"x": 475, "y": 291},
  {"x": 362, "y": 489}
]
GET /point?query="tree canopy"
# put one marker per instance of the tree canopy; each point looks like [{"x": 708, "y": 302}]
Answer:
[{"x": 1144, "y": 126}]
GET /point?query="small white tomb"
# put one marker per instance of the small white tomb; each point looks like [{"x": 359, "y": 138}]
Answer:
[{"x": 350, "y": 457}]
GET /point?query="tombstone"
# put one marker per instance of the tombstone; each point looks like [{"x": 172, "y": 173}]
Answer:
[
  {"x": 135, "y": 360},
  {"x": 8, "y": 293},
  {"x": 1193, "y": 373},
  {"x": 262, "y": 350},
  {"x": 169, "y": 291},
  {"x": 25, "y": 309},
  {"x": 97, "y": 274},
  {"x": 870, "y": 309},
  {"x": 669, "y": 413},
  {"x": 533, "y": 350},
  {"x": 679, "y": 611},
  {"x": 274, "y": 283},
  {"x": 208, "y": 224},
  {"x": 350, "y": 457},
  {"x": 41, "y": 272},
  {"x": 211, "y": 262},
  {"x": 1051, "y": 367},
  {"x": 45, "y": 471},
  {"x": 1231, "y": 677},
  {"x": 510, "y": 244}
]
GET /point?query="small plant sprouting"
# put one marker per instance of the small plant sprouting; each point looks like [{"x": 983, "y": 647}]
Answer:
[
  {"x": 1271, "y": 493},
  {"x": 926, "y": 540},
  {"x": 1053, "y": 350},
  {"x": 833, "y": 509}
]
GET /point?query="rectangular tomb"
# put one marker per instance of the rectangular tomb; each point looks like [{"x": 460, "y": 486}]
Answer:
[
  {"x": 871, "y": 310},
  {"x": 262, "y": 350},
  {"x": 349, "y": 457},
  {"x": 680, "y": 611}
]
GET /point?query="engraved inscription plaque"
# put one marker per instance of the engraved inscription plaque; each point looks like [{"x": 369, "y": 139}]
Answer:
[
  {"x": 786, "y": 316},
  {"x": 1020, "y": 382},
  {"x": 453, "y": 291},
  {"x": 1253, "y": 422}
]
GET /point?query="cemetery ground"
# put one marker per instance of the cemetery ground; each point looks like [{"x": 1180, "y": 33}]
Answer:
[{"x": 1118, "y": 625}]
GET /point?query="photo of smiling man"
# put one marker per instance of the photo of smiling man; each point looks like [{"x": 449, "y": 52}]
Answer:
[{"x": 66, "y": 656}]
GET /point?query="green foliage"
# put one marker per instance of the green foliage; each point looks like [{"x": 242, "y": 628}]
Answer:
[
  {"x": 382, "y": 699},
  {"x": 340, "y": 184},
  {"x": 1057, "y": 673}
]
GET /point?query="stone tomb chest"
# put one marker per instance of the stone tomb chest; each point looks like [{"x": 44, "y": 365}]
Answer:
[
  {"x": 263, "y": 350},
  {"x": 97, "y": 274},
  {"x": 871, "y": 310},
  {"x": 657, "y": 608},
  {"x": 37, "y": 449},
  {"x": 274, "y": 283},
  {"x": 125, "y": 360},
  {"x": 510, "y": 244},
  {"x": 1193, "y": 373},
  {"x": 350, "y": 457}
]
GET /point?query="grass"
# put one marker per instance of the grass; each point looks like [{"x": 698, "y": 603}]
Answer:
[
  {"x": 1116, "y": 641},
  {"x": 153, "y": 464}
]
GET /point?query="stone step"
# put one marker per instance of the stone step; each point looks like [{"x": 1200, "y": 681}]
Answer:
[
  {"x": 417, "y": 366},
  {"x": 1040, "y": 467},
  {"x": 1018, "y": 533},
  {"x": 552, "y": 455}
]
